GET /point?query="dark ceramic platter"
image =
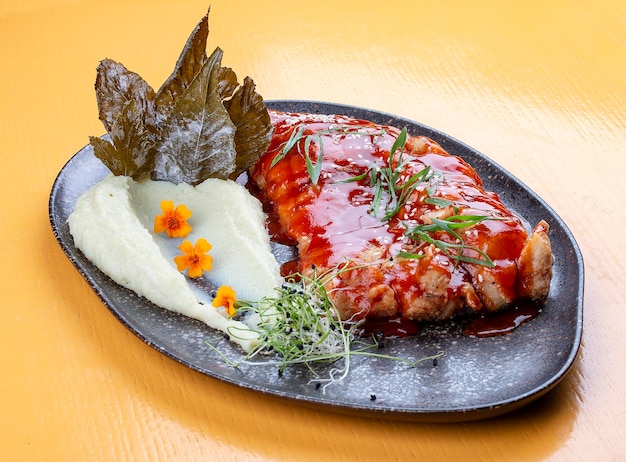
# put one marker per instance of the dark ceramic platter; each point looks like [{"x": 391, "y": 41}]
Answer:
[{"x": 476, "y": 377}]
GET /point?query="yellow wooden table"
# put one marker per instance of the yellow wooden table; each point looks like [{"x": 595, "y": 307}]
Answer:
[{"x": 540, "y": 87}]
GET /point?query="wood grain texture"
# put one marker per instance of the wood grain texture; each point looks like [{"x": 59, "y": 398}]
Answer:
[{"x": 537, "y": 86}]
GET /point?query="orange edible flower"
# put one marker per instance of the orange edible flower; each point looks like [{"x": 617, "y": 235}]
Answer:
[
  {"x": 226, "y": 297},
  {"x": 173, "y": 220},
  {"x": 195, "y": 258}
]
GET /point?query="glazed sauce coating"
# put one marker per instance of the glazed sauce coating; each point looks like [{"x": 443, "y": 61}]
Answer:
[{"x": 332, "y": 221}]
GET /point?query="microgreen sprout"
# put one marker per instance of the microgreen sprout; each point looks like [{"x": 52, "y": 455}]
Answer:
[{"x": 301, "y": 325}]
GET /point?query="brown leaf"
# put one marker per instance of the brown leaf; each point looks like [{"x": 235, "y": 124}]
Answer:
[
  {"x": 126, "y": 108},
  {"x": 115, "y": 87},
  {"x": 130, "y": 152},
  {"x": 199, "y": 124},
  {"x": 254, "y": 128},
  {"x": 227, "y": 83},
  {"x": 197, "y": 141},
  {"x": 189, "y": 64}
]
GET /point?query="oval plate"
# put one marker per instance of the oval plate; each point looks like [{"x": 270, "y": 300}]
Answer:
[{"x": 476, "y": 378}]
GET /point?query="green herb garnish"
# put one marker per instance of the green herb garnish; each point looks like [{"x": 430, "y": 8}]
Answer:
[
  {"x": 390, "y": 185},
  {"x": 314, "y": 169},
  {"x": 454, "y": 250},
  {"x": 200, "y": 124},
  {"x": 301, "y": 325}
]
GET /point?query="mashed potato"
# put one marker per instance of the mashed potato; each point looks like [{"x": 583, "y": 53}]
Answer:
[{"x": 112, "y": 225}]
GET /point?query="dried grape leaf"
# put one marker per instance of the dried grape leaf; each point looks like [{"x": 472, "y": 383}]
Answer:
[
  {"x": 188, "y": 65},
  {"x": 115, "y": 87},
  {"x": 197, "y": 141},
  {"x": 254, "y": 127},
  {"x": 110, "y": 157},
  {"x": 126, "y": 108},
  {"x": 199, "y": 124},
  {"x": 227, "y": 83},
  {"x": 129, "y": 139}
]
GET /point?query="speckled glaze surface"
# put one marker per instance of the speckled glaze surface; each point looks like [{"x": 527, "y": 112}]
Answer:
[{"x": 475, "y": 378}]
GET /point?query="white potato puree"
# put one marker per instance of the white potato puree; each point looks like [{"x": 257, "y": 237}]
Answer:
[{"x": 112, "y": 224}]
